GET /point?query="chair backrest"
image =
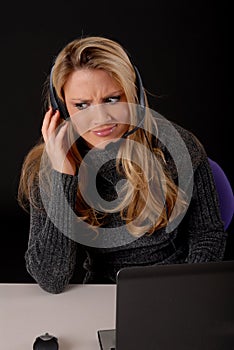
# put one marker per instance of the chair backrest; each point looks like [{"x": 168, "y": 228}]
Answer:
[{"x": 225, "y": 193}]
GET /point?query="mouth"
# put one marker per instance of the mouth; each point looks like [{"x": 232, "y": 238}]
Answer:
[{"x": 104, "y": 131}]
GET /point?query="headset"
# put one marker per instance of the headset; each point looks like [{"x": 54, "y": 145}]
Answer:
[{"x": 58, "y": 104}]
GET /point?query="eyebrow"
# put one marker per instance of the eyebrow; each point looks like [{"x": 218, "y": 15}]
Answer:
[{"x": 108, "y": 95}]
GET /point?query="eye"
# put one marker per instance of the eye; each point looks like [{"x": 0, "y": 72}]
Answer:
[
  {"x": 112, "y": 99},
  {"x": 81, "y": 106}
]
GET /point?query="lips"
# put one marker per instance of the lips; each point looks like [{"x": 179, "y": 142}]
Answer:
[{"x": 104, "y": 131}]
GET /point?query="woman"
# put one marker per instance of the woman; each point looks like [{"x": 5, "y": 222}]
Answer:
[{"x": 113, "y": 177}]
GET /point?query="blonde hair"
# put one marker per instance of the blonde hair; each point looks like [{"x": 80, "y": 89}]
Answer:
[{"x": 141, "y": 206}]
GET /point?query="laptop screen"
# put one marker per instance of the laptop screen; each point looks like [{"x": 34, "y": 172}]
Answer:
[{"x": 183, "y": 306}]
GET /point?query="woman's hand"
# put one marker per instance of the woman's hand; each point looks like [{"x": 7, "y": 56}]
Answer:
[{"x": 54, "y": 134}]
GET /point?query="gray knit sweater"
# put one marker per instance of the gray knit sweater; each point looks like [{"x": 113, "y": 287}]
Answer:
[{"x": 55, "y": 241}]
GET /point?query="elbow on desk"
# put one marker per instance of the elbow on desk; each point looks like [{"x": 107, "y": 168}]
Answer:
[
  {"x": 50, "y": 285},
  {"x": 50, "y": 279},
  {"x": 53, "y": 289},
  {"x": 49, "y": 282}
]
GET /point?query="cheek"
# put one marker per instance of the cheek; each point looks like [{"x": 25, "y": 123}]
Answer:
[
  {"x": 123, "y": 116},
  {"x": 82, "y": 127},
  {"x": 119, "y": 112},
  {"x": 82, "y": 121}
]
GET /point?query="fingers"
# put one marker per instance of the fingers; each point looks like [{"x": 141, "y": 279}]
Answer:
[
  {"x": 60, "y": 135},
  {"x": 54, "y": 131},
  {"x": 50, "y": 123}
]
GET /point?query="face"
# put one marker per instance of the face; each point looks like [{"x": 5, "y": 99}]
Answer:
[{"x": 97, "y": 106}]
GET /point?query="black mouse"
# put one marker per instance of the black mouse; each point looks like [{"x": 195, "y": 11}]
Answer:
[{"x": 46, "y": 342}]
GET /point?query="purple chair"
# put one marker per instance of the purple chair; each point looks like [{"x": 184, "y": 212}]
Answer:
[{"x": 225, "y": 193}]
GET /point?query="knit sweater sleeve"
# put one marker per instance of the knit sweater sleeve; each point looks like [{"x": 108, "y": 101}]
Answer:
[
  {"x": 51, "y": 254},
  {"x": 207, "y": 238}
]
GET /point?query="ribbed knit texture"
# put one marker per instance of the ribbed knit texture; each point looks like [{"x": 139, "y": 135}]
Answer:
[{"x": 51, "y": 254}]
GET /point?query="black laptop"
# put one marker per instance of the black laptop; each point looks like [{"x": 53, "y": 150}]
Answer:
[{"x": 165, "y": 307}]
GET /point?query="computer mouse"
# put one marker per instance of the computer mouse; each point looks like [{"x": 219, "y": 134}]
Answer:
[{"x": 46, "y": 342}]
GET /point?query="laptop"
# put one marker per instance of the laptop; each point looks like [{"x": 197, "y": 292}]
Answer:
[{"x": 181, "y": 306}]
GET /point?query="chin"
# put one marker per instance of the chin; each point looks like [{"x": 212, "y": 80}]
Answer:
[{"x": 103, "y": 143}]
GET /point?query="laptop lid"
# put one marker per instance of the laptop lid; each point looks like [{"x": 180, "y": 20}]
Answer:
[{"x": 182, "y": 306}]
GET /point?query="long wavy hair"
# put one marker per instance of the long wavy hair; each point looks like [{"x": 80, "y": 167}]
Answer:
[{"x": 141, "y": 206}]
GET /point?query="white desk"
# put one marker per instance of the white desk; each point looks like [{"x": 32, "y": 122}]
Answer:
[{"x": 74, "y": 316}]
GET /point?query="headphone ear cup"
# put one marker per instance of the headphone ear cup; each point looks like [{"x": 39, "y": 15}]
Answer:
[
  {"x": 140, "y": 88},
  {"x": 56, "y": 102},
  {"x": 139, "y": 84},
  {"x": 61, "y": 107}
]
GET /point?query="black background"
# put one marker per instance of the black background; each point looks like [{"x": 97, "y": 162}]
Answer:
[{"x": 181, "y": 49}]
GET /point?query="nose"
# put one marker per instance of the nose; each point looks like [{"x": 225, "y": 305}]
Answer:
[{"x": 101, "y": 115}]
